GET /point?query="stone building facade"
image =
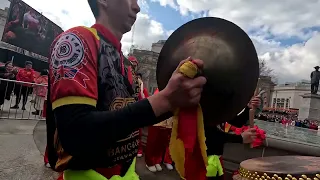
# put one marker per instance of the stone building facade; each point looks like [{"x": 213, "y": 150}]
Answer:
[
  {"x": 266, "y": 84},
  {"x": 148, "y": 63},
  {"x": 3, "y": 20},
  {"x": 289, "y": 95}
]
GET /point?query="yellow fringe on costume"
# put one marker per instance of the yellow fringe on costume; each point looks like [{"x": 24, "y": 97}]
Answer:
[{"x": 176, "y": 146}]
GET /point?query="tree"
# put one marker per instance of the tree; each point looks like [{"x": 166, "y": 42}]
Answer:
[{"x": 265, "y": 70}]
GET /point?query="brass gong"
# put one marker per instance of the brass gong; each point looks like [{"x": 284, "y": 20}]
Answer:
[{"x": 231, "y": 64}]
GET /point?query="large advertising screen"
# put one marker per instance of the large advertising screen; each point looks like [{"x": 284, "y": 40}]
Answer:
[{"x": 28, "y": 29}]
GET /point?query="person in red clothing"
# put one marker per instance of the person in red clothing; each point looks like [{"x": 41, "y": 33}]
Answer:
[
  {"x": 46, "y": 158},
  {"x": 133, "y": 78},
  {"x": 142, "y": 94},
  {"x": 143, "y": 90},
  {"x": 93, "y": 111},
  {"x": 157, "y": 149},
  {"x": 23, "y": 89},
  {"x": 40, "y": 91}
]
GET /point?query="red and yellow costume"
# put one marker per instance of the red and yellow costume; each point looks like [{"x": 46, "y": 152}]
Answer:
[
  {"x": 143, "y": 93},
  {"x": 188, "y": 142},
  {"x": 157, "y": 149},
  {"x": 79, "y": 85}
]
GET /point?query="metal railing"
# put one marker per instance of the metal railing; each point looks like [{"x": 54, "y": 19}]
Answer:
[{"x": 10, "y": 93}]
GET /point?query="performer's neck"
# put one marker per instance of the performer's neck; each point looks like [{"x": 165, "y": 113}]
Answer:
[{"x": 104, "y": 21}]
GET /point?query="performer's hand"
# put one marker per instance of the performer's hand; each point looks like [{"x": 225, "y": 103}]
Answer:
[
  {"x": 182, "y": 91},
  {"x": 249, "y": 135},
  {"x": 255, "y": 102}
]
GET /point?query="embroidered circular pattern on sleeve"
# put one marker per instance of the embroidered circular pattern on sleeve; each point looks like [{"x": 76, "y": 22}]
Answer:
[{"x": 68, "y": 51}]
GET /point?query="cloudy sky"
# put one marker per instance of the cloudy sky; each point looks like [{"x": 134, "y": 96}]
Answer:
[{"x": 286, "y": 33}]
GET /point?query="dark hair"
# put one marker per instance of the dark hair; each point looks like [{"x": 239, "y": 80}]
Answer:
[
  {"x": 139, "y": 74},
  {"x": 28, "y": 63},
  {"x": 94, "y": 7}
]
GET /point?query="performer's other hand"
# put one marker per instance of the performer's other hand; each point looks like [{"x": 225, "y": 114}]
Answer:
[
  {"x": 182, "y": 91},
  {"x": 255, "y": 102},
  {"x": 249, "y": 135}
]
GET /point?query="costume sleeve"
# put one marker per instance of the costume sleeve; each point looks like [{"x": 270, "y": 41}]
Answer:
[
  {"x": 81, "y": 127},
  {"x": 232, "y": 138},
  {"x": 229, "y": 137},
  {"x": 216, "y": 138},
  {"x": 73, "y": 68}
]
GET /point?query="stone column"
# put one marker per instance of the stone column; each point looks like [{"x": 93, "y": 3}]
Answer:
[{"x": 310, "y": 107}]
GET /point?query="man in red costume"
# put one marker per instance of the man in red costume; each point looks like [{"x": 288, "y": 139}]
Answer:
[
  {"x": 157, "y": 150},
  {"x": 23, "y": 89},
  {"x": 143, "y": 91},
  {"x": 133, "y": 76},
  {"x": 142, "y": 94},
  {"x": 94, "y": 115}
]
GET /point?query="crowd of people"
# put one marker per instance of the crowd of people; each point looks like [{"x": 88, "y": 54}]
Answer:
[
  {"x": 24, "y": 84},
  {"x": 287, "y": 117}
]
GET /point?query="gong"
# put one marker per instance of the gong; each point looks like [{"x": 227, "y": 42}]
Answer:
[{"x": 231, "y": 64}]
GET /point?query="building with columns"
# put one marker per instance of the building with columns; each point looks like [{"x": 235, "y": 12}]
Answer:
[{"x": 289, "y": 95}]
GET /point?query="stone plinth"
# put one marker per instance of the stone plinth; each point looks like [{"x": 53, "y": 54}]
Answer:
[{"x": 310, "y": 107}]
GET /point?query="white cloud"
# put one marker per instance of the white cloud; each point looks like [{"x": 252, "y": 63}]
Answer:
[
  {"x": 269, "y": 21},
  {"x": 4, "y": 4},
  {"x": 146, "y": 32},
  {"x": 271, "y": 18},
  {"x": 170, "y": 3},
  {"x": 143, "y": 5},
  {"x": 297, "y": 61}
]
